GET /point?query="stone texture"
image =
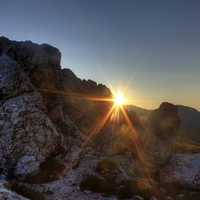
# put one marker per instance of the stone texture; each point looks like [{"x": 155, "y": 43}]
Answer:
[
  {"x": 27, "y": 165},
  {"x": 13, "y": 81},
  {"x": 162, "y": 132},
  {"x": 25, "y": 130},
  {"x": 6, "y": 194},
  {"x": 29, "y": 54},
  {"x": 183, "y": 169},
  {"x": 33, "y": 125}
]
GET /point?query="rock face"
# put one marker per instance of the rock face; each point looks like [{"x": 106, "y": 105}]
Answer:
[
  {"x": 41, "y": 63},
  {"x": 30, "y": 54},
  {"x": 183, "y": 169},
  {"x": 7, "y": 194},
  {"x": 26, "y": 131},
  {"x": 163, "y": 127},
  {"x": 80, "y": 92},
  {"x": 36, "y": 107}
]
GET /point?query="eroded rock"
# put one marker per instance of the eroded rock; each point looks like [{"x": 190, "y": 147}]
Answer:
[
  {"x": 183, "y": 169},
  {"x": 162, "y": 132}
]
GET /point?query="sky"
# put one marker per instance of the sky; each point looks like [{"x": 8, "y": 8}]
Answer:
[{"x": 149, "y": 49}]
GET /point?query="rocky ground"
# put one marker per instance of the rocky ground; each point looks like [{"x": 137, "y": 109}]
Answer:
[{"x": 45, "y": 117}]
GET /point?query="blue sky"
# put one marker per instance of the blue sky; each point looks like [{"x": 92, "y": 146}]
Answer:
[{"x": 152, "y": 48}]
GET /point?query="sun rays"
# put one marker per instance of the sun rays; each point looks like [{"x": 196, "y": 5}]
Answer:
[
  {"x": 119, "y": 99},
  {"x": 116, "y": 111},
  {"x": 114, "y": 115}
]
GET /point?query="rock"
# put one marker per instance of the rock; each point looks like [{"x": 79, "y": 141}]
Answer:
[
  {"x": 27, "y": 165},
  {"x": 13, "y": 81},
  {"x": 169, "y": 198},
  {"x": 25, "y": 128},
  {"x": 183, "y": 169},
  {"x": 180, "y": 197},
  {"x": 29, "y": 54},
  {"x": 153, "y": 198},
  {"x": 79, "y": 92},
  {"x": 41, "y": 63},
  {"x": 25, "y": 131},
  {"x": 2, "y": 177},
  {"x": 33, "y": 122},
  {"x": 163, "y": 128},
  {"x": 136, "y": 197},
  {"x": 6, "y": 194}
]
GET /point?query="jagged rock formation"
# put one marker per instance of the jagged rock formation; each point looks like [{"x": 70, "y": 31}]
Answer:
[
  {"x": 41, "y": 63},
  {"x": 183, "y": 169},
  {"x": 162, "y": 131},
  {"x": 6, "y": 194},
  {"x": 36, "y": 123},
  {"x": 27, "y": 135}
]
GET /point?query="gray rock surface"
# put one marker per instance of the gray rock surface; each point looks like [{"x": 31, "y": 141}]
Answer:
[
  {"x": 183, "y": 169},
  {"x": 13, "y": 81},
  {"x": 6, "y": 194},
  {"x": 162, "y": 132},
  {"x": 25, "y": 131},
  {"x": 68, "y": 188},
  {"x": 33, "y": 125},
  {"x": 25, "y": 128},
  {"x": 29, "y": 54}
]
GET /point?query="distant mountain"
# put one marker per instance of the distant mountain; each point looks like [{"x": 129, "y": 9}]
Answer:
[
  {"x": 190, "y": 120},
  {"x": 190, "y": 117},
  {"x": 138, "y": 110}
]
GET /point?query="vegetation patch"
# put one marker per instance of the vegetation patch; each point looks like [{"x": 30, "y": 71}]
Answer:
[
  {"x": 26, "y": 192},
  {"x": 123, "y": 190},
  {"x": 108, "y": 169},
  {"x": 50, "y": 170}
]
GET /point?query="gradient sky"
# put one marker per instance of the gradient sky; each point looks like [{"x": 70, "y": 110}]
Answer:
[{"x": 150, "y": 47}]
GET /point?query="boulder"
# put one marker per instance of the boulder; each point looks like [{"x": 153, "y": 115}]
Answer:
[
  {"x": 183, "y": 169},
  {"x": 25, "y": 129},
  {"x": 6, "y": 194},
  {"x": 41, "y": 63}
]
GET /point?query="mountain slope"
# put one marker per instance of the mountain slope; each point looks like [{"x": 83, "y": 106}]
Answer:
[{"x": 190, "y": 120}]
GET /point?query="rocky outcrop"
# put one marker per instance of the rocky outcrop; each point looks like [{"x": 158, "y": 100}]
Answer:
[
  {"x": 36, "y": 106},
  {"x": 29, "y": 54},
  {"x": 162, "y": 131},
  {"x": 63, "y": 93},
  {"x": 6, "y": 194},
  {"x": 13, "y": 81},
  {"x": 41, "y": 63},
  {"x": 183, "y": 169},
  {"x": 27, "y": 136},
  {"x": 79, "y": 92}
]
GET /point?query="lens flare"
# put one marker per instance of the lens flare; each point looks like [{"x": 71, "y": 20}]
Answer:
[{"x": 119, "y": 99}]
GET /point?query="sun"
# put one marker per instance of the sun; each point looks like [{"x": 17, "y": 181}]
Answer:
[{"x": 119, "y": 99}]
